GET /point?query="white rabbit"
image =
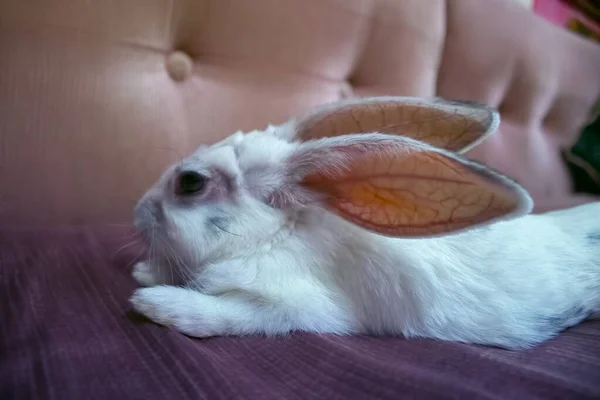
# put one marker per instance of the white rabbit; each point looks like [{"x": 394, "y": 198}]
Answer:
[{"x": 362, "y": 219}]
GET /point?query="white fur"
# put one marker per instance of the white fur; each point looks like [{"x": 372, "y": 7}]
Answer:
[{"x": 511, "y": 284}]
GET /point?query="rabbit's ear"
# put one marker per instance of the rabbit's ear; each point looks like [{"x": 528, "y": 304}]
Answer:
[
  {"x": 400, "y": 187},
  {"x": 451, "y": 125}
]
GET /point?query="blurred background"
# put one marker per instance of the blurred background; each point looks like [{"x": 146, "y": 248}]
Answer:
[{"x": 98, "y": 97}]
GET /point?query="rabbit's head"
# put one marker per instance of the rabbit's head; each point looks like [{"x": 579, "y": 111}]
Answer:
[{"x": 385, "y": 164}]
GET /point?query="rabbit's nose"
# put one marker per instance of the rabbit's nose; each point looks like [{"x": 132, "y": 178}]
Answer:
[{"x": 147, "y": 213}]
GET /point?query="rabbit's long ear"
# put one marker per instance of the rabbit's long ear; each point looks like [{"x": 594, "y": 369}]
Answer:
[
  {"x": 401, "y": 187},
  {"x": 451, "y": 125}
]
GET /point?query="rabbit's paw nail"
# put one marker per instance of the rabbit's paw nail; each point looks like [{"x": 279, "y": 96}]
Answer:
[{"x": 143, "y": 274}]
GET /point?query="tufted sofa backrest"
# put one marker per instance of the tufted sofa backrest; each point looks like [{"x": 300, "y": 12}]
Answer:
[{"x": 97, "y": 97}]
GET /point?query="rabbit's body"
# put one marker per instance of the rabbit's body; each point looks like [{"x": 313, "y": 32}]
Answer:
[
  {"x": 272, "y": 257},
  {"x": 479, "y": 286}
]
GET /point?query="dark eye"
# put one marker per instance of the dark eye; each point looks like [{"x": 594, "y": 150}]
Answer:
[{"x": 189, "y": 183}]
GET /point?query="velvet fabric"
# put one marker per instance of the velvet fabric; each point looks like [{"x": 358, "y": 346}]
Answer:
[{"x": 67, "y": 333}]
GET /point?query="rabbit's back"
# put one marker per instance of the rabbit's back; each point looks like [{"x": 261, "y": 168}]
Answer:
[
  {"x": 582, "y": 223},
  {"x": 511, "y": 284}
]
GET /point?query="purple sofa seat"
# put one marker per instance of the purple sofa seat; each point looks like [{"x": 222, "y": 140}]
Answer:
[{"x": 66, "y": 332}]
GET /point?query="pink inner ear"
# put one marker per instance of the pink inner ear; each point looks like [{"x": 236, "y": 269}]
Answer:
[
  {"x": 399, "y": 188},
  {"x": 453, "y": 126}
]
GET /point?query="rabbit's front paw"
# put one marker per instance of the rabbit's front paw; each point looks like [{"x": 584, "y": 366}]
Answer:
[
  {"x": 180, "y": 308},
  {"x": 145, "y": 274}
]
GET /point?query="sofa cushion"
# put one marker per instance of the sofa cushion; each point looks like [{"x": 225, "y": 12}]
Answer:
[
  {"x": 91, "y": 110},
  {"x": 67, "y": 332}
]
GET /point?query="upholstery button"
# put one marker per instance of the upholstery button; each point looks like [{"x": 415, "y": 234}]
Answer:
[{"x": 179, "y": 66}]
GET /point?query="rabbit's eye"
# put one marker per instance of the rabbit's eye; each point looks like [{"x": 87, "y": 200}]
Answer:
[{"x": 190, "y": 183}]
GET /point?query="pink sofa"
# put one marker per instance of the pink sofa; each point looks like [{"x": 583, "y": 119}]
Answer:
[
  {"x": 95, "y": 102},
  {"x": 98, "y": 96}
]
